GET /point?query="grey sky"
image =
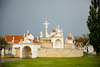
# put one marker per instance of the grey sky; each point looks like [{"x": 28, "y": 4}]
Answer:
[{"x": 17, "y": 16}]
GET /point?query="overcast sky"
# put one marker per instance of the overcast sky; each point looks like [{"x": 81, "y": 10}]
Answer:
[{"x": 18, "y": 16}]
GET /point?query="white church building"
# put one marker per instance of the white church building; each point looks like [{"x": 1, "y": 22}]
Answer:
[{"x": 52, "y": 45}]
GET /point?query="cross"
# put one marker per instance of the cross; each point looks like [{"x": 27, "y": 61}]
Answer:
[{"x": 46, "y": 26}]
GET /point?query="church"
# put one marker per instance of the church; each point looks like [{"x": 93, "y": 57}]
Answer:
[{"x": 52, "y": 45}]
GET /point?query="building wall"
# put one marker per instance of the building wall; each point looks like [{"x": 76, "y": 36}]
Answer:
[
  {"x": 59, "y": 52},
  {"x": 68, "y": 41}
]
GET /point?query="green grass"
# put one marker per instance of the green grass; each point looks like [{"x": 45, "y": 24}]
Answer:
[{"x": 55, "y": 62}]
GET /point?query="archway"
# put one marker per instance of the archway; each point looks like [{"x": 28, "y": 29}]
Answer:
[
  {"x": 58, "y": 43},
  {"x": 26, "y": 53}
]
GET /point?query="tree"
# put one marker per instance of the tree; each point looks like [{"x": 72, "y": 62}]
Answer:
[
  {"x": 93, "y": 24},
  {"x": 85, "y": 35},
  {"x": 81, "y": 37},
  {"x": 3, "y": 43}
]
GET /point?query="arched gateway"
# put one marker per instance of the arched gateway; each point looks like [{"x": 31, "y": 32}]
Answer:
[
  {"x": 58, "y": 43},
  {"x": 26, "y": 52}
]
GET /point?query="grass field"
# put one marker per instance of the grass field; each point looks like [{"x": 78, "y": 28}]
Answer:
[{"x": 56, "y": 62}]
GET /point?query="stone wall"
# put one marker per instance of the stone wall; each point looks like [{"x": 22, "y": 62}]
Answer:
[
  {"x": 69, "y": 46},
  {"x": 46, "y": 45},
  {"x": 59, "y": 52}
]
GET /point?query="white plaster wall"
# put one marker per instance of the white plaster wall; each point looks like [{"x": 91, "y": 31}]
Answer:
[
  {"x": 16, "y": 45},
  {"x": 58, "y": 43},
  {"x": 70, "y": 41},
  {"x": 35, "y": 48},
  {"x": 13, "y": 48},
  {"x": 90, "y": 48}
]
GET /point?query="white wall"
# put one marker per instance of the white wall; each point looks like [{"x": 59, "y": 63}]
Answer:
[
  {"x": 70, "y": 41},
  {"x": 89, "y": 47}
]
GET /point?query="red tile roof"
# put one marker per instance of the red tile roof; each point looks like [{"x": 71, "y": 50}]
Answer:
[
  {"x": 69, "y": 38},
  {"x": 35, "y": 41},
  {"x": 29, "y": 39},
  {"x": 16, "y": 42},
  {"x": 82, "y": 40},
  {"x": 10, "y": 37},
  {"x": 54, "y": 30}
]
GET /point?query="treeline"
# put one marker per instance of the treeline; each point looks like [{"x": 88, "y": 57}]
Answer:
[{"x": 81, "y": 37}]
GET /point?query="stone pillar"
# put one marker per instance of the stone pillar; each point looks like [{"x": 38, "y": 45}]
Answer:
[
  {"x": 20, "y": 51},
  {"x": 37, "y": 38},
  {"x": 62, "y": 44},
  {"x": 32, "y": 53},
  {"x": 2, "y": 53},
  {"x": 54, "y": 44},
  {"x": 41, "y": 34}
]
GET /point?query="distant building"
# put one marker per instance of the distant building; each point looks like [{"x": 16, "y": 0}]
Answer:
[
  {"x": 84, "y": 44},
  {"x": 88, "y": 48},
  {"x": 9, "y": 38}
]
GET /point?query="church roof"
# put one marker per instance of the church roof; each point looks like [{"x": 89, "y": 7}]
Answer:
[
  {"x": 16, "y": 42},
  {"x": 69, "y": 38},
  {"x": 54, "y": 30},
  {"x": 10, "y": 37},
  {"x": 54, "y": 35},
  {"x": 34, "y": 41}
]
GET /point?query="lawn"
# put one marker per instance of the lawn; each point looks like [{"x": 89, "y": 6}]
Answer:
[{"x": 56, "y": 62}]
